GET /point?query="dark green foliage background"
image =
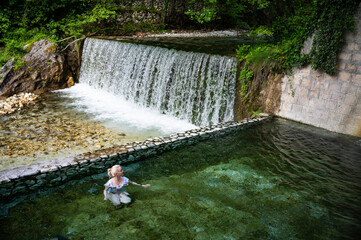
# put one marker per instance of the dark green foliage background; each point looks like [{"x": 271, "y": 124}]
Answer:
[
  {"x": 26, "y": 21},
  {"x": 288, "y": 23},
  {"x": 280, "y": 28}
]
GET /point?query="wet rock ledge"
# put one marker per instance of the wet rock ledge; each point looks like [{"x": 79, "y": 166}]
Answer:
[
  {"x": 44, "y": 68},
  {"x": 27, "y": 179}
]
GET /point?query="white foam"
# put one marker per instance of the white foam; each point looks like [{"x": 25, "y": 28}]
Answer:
[
  {"x": 115, "y": 112},
  {"x": 197, "y": 87}
]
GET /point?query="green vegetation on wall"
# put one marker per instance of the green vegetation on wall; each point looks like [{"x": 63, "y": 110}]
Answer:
[
  {"x": 330, "y": 18},
  {"x": 282, "y": 29},
  {"x": 290, "y": 23}
]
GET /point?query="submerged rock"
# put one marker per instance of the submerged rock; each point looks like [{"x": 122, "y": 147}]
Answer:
[{"x": 44, "y": 69}]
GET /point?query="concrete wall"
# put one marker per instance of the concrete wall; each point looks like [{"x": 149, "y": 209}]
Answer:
[{"x": 330, "y": 102}]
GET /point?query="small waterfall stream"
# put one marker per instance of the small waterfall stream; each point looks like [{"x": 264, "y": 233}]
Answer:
[{"x": 196, "y": 87}]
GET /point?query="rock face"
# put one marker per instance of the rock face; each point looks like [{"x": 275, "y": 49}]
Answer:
[{"x": 44, "y": 70}]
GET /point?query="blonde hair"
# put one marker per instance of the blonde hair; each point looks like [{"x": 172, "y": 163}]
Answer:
[{"x": 114, "y": 170}]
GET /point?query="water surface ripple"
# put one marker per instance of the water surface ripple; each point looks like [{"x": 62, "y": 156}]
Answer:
[
  {"x": 279, "y": 180},
  {"x": 317, "y": 162}
]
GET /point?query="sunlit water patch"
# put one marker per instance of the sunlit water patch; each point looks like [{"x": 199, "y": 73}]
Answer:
[
  {"x": 280, "y": 180},
  {"x": 77, "y": 120}
]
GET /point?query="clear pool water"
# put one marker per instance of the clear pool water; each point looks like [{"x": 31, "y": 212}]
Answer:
[{"x": 279, "y": 180}]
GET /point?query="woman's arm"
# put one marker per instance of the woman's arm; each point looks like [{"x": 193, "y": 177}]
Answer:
[
  {"x": 105, "y": 193},
  {"x": 145, "y": 185}
]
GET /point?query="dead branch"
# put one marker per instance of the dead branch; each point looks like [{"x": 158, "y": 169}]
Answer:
[
  {"x": 62, "y": 40},
  {"x": 76, "y": 40}
]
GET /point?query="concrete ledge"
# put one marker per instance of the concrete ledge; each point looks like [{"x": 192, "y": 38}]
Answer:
[{"x": 30, "y": 178}]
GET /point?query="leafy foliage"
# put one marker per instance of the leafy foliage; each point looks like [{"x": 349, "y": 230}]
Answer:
[
  {"x": 23, "y": 22},
  {"x": 245, "y": 77},
  {"x": 283, "y": 27},
  {"x": 261, "y": 31},
  {"x": 331, "y": 18},
  {"x": 26, "y": 21},
  {"x": 290, "y": 23},
  {"x": 206, "y": 14}
]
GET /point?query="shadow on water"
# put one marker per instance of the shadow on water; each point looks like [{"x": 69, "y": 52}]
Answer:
[{"x": 279, "y": 180}]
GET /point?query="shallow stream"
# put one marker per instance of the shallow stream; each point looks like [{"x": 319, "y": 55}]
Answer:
[
  {"x": 77, "y": 120},
  {"x": 279, "y": 180}
]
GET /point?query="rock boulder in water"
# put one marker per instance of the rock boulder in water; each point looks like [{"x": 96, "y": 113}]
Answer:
[{"x": 44, "y": 70}]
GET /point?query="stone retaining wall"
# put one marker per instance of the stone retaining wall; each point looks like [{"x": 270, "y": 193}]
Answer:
[
  {"x": 27, "y": 179},
  {"x": 170, "y": 12},
  {"x": 330, "y": 102},
  {"x": 314, "y": 97}
]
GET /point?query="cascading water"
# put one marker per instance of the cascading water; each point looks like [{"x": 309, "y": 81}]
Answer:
[{"x": 196, "y": 87}]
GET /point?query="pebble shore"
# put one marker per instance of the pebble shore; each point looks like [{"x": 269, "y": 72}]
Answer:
[
  {"x": 17, "y": 102},
  {"x": 50, "y": 130}
]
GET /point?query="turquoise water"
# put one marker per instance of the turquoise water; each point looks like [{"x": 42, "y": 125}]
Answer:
[{"x": 279, "y": 180}]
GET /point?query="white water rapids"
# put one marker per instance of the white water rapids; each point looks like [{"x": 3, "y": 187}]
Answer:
[
  {"x": 115, "y": 112},
  {"x": 195, "y": 87}
]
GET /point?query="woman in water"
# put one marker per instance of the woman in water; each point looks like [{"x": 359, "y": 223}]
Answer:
[{"x": 115, "y": 188}]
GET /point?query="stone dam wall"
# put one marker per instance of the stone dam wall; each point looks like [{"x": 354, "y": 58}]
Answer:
[
  {"x": 321, "y": 100},
  {"x": 313, "y": 97},
  {"x": 39, "y": 176},
  {"x": 170, "y": 12}
]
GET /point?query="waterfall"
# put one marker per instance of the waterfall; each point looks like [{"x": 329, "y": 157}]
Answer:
[{"x": 196, "y": 87}]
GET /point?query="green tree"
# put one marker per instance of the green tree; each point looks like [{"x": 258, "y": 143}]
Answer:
[
  {"x": 26, "y": 21},
  {"x": 291, "y": 22}
]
